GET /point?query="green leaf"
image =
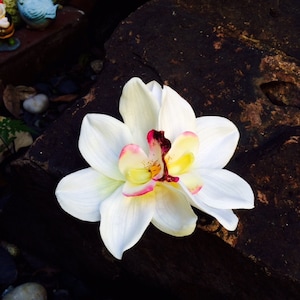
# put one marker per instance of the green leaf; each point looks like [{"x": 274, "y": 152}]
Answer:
[{"x": 8, "y": 129}]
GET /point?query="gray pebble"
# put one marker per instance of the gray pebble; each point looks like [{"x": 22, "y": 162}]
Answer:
[{"x": 36, "y": 104}]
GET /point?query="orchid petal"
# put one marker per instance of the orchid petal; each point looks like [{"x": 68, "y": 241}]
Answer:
[
  {"x": 173, "y": 213},
  {"x": 100, "y": 142},
  {"x": 218, "y": 140},
  {"x": 80, "y": 193},
  {"x": 136, "y": 168},
  {"x": 131, "y": 190},
  {"x": 182, "y": 153},
  {"x": 225, "y": 190},
  {"x": 156, "y": 90},
  {"x": 192, "y": 181},
  {"x": 176, "y": 115},
  {"x": 133, "y": 160},
  {"x": 225, "y": 217},
  {"x": 124, "y": 220},
  {"x": 139, "y": 109}
]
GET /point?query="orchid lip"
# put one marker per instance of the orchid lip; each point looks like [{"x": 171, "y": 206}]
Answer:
[{"x": 157, "y": 140}]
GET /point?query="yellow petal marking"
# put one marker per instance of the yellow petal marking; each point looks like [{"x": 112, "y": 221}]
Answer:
[
  {"x": 138, "y": 176},
  {"x": 181, "y": 156},
  {"x": 181, "y": 165}
]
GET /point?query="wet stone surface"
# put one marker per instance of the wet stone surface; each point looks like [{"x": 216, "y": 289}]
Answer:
[{"x": 235, "y": 60}]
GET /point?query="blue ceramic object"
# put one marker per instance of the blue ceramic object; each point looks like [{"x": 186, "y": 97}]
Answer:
[{"x": 37, "y": 14}]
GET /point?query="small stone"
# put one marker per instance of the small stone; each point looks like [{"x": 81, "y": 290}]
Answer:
[
  {"x": 27, "y": 291},
  {"x": 96, "y": 65},
  {"x": 36, "y": 104}
]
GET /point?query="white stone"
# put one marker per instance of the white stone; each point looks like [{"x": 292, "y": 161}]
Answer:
[
  {"x": 36, "y": 104},
  {"x": 27, "y": 291}
]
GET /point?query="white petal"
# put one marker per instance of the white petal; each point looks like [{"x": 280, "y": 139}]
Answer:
[
  {"x": 224, "y": 189},
  {"x": 218, "y": 140},
  {"x": 173, "y": 213},
  {"x": 124, "y": 220},
  {"x": 100, "y": 142},
  {"x": 156, "y": 90},
  {"x": 139, "y": 109},
  {"x": 81, "y": 192},
  {"x": 176, "y": 114},
  {"x": 225, "y": 217}
]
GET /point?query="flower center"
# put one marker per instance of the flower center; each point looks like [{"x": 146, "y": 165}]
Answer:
[
  {"x": 163, "y": 163},
  {"x": 155, "y": 170}
]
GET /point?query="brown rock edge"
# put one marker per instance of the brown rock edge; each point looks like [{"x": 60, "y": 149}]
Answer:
[{"x": 234, "y": 60}]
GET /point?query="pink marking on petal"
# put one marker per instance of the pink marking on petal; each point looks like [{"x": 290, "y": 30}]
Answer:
[
  {"x": 130, "y": 148},
  {"x": 190, "y": 133},
  {"x": 157, "y": 138},
  {"x": 196, "y": 189},
  {"x": 169, "y": 178},
  {"x": 149, "y": 187}
]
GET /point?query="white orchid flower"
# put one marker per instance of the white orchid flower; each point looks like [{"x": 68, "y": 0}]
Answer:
[{"x": 153, "y": 168}]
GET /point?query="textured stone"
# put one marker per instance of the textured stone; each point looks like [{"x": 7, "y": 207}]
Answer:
[
  {"x": 27, "y": 291},
  {"x": 234, "y": 60}
]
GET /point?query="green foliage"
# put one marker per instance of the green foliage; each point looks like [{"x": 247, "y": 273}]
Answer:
[{"x": 8, "y": 130}]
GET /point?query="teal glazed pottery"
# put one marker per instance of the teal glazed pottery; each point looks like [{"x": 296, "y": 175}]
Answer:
[{"x": 37, "y": 14}]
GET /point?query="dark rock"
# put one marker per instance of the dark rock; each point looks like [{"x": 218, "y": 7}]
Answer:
[
  {"x": 282, "y": 93},
  {"x": 45, "y": 88},
  {"x": 65, "y": 86},
  {"x": 8, "y": 269},
  {"x": 223, "y": 59}
]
